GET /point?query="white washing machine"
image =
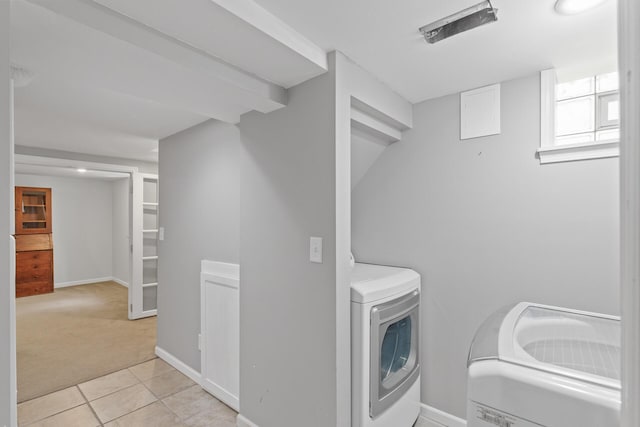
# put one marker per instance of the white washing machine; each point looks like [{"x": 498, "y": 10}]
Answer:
[
  {"x": 385, "y": 362},
  {"x": 533, "y": 365}
]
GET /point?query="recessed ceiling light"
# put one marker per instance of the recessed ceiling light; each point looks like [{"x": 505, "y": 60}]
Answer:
[
  {"x": 572, "y": 7},
  {"x": 81, "y": 170}
]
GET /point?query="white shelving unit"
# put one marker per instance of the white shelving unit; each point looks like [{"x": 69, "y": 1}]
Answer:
[{"x": 144, "y": 289}]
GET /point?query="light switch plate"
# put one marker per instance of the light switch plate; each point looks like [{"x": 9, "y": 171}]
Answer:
[
  {"x": 161, "y": 233},
  {"x": 315, "y": 249}
]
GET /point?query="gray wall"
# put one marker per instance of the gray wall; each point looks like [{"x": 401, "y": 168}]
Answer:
[
  {"x": 199, "y": 196},
  {"x": 7, "y": 351},
  {"x": 486, "y": 225},
  {"x": 288, "y": 304},
  {"x": 82, "y": 223},
  {"x": 120, "y": 259}
]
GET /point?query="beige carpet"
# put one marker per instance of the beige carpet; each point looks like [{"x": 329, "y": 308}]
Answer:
[{"x": 76, "y": 334}]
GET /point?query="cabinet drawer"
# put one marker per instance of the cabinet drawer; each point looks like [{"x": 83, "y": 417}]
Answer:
[
  {"x": 33, "y": 242},
  {"x": 34, "y": 266},
  {"x": 33, "y": 288}
]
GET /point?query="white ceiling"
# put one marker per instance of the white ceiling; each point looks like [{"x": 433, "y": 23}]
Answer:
[
  {"x": 383, "y": 37},
  {"x": 50, "y": 166},
  {"x": 92, "y": 120},
  {"x": 262, "y": 48},
  {"x": 68, "y": 172},
  {"x": 114, "y": 76},
  {"x": 107, "y": 84}
]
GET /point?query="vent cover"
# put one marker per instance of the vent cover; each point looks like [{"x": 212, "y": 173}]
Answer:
[{"x": 472, "y": 17}]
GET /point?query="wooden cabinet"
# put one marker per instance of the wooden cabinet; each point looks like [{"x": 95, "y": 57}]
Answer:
[
  {"x": 33, "y": 210},
  {"x": 34, "y": 242},
  {"x": 34, "y": 273}
]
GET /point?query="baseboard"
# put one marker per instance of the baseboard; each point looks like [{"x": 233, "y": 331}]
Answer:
[
  {"x": 221, "y": 394},
  {"x": 179, "y": 365},
  {"x": 120, "y": 282},
  {"x": 82, "y": 282},
  {"x": 437, "y": 418},
  {"x": 242, "y": 421},
  {"x": 431, "y": 416}
]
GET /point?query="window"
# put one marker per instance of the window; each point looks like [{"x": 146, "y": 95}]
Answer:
[
  {"x": 588, "y": 110},
  {"x": 580, "y": 118}
]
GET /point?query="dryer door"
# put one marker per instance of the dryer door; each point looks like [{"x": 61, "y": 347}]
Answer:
[{"x": 394, "y": 351}]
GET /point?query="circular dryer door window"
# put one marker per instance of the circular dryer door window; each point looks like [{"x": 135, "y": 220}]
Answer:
[
  {"x": 394, "y": 351},
  {"x": 396, "y": 348}
]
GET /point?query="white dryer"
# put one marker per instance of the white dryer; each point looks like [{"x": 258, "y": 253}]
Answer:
[{"x": 385, "y": 362}]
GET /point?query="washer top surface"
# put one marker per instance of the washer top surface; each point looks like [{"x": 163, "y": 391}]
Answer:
[
  {"x": 561, "y": 341},
  {"x": 371, "y": 282}
]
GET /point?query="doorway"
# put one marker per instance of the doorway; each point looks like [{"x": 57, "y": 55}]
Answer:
[{"x": 83, "y": 330}]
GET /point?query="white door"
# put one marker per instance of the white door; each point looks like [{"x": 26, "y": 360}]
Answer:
[{"x": 143, "y": 292}]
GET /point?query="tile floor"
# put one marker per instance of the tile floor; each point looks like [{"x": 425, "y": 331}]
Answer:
[
  {"x": 149, "y": 394},
  {"x": 421, "y": 422}
]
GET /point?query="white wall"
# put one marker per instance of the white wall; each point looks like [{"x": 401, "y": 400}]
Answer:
[
  {"x": 199, "y": 196},
  {"x": 354, "y": 86},
  {"x": 295, "y": 315},
  {"x": 288, "y": 304},
  {"x": 7, "y": 300},
  {"x": 82, "y": 224},
  {"x": 120, "y": 250},
  {"x": 486, "y": 225}
]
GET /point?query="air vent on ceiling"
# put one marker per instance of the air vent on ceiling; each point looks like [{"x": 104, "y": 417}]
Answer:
[{"x": 471, "y": 17}]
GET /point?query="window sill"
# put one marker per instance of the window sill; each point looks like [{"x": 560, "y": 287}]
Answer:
[{"x": 570, "y": 153}]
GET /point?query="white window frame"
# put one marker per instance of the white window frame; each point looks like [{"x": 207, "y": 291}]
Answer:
[{"x": 549, "y": 151}]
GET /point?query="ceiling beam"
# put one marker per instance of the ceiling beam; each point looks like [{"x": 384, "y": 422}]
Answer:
[
  {"x": 248, "y": 89},
  {"x": 239, "y": 32},
  {"x": 260, "y": 18}
]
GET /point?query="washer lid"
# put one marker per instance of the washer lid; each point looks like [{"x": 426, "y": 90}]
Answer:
[
  {"x": 374, "y": 282},
  {"x": 572, "y": 343},
  {"x": 561, "y": 341}
]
